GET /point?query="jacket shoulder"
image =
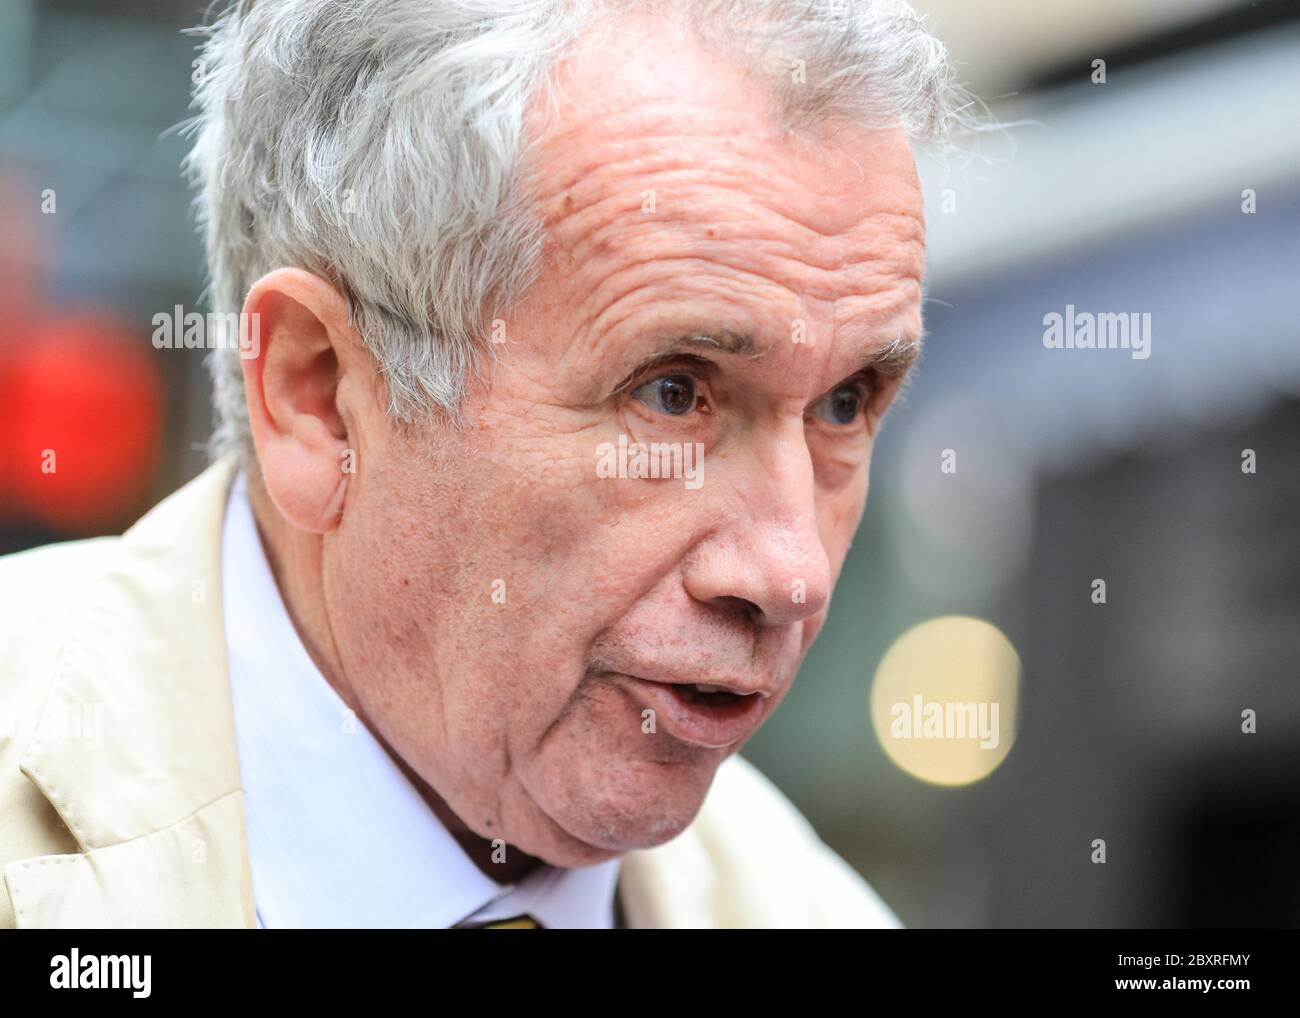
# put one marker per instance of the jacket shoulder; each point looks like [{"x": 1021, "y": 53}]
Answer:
[
  {"x": 770, "y": 867},
  {"x": 38, "y": 591}
]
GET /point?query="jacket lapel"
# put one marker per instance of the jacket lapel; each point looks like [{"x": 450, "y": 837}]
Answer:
[{"x": 135, "y": 747}]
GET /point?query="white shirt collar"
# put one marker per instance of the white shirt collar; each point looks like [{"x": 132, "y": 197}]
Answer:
[{"x": 338, "y": 835}]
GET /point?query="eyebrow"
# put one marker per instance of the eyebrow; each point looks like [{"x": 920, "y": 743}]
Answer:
[
  {"x": 738, "y": 344},
  {"x": 892, "y": 360},
  {"x": 728, "y": 341}
]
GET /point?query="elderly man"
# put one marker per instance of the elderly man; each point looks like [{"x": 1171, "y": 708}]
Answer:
[{"x": 575, "y": 324}]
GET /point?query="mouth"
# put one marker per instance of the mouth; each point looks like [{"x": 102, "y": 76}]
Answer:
[{"x": 705, "y": 715}]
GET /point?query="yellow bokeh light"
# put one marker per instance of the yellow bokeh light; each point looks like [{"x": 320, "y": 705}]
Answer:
[{"x": 944, "y": 700}]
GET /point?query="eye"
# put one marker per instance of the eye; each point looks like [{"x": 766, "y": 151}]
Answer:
[
  {"x": 842, "y": 405},
  {"x": 669, "y": 394}
]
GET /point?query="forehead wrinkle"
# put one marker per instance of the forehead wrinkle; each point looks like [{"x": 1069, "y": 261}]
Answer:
[
  {"x": 740, "y": 232},
  {"x": 583, "y": 176},
  {"x": 879, "y": 308},
  {"x": 580, "y": 155},
  {"x": 746, "y": 268},
  {"x": 583, "y": 144},
  {"x": 764, "y": 304},
  {"x": 731, "y": 199},
  {"x": 758, "y": 310},
  {"x": 771, "y": 305}
]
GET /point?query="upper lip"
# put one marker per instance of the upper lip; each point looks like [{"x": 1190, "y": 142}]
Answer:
[{"x": 732, "y": 684}]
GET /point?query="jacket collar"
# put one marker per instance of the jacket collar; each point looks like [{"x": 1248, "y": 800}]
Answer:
[{"x": 155, "y": 804}]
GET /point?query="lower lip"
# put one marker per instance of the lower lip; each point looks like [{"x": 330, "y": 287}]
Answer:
[{"x": 711, "y": 725}]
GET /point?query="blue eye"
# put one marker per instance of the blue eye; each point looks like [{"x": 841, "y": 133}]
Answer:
[
  {"x": 841, "y": 405},
  {"x": 669, "y": 394}
]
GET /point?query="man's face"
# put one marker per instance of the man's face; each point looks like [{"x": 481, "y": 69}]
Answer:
[{"x": 505, "y": 611}]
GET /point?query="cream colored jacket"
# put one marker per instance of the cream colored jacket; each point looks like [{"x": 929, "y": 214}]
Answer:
[{"x": 120, "y": 802}]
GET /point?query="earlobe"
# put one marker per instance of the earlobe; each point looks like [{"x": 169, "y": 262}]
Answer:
[
  {"x": 308, "y": 493},
  {"x": 292, "y": 388}
]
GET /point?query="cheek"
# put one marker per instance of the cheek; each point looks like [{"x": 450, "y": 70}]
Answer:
[
  {"x": 575, "y": 549},
  {"x": 839, "y": 513},
  {"x": 495, "y": 570}
]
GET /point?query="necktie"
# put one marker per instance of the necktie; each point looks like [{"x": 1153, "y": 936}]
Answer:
[{"x": 519, "y": 922}]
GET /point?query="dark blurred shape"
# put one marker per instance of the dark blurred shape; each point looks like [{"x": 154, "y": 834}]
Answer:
[
  {"x": 1136, "y": 705},
  {"x": 1212, "y": 27},
  {"x": 1241, "y": 870}
]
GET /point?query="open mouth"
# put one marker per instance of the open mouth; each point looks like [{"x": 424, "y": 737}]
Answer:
[
  {"x": 699, "y": 713},
  {"x": 709, "y": 696}
]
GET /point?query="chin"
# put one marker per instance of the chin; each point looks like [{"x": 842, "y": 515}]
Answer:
[{"x": 642, "y": 807}]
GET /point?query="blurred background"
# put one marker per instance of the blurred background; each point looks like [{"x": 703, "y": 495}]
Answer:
[{"x": 1013, "y": 477}]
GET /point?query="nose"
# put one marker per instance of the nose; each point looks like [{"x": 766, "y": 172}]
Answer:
[{"x": 768, "y": 559}]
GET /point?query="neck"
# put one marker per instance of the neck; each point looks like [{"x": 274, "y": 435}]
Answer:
[{"x": 296, "y": 560}]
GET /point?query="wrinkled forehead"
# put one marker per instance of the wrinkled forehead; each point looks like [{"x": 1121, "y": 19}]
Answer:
[
  {"x": 672, "y": 196},
  {"x": 649, "y": 113},
  {"x": 684, "y": 200}
]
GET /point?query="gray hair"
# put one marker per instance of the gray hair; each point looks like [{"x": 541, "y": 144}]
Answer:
[{"x": 379, "y": 144}]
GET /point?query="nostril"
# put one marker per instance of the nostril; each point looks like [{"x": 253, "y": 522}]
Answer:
[{"x": 740, "y": 606}]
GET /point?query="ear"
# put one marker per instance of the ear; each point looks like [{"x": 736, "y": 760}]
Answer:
[{"x": 305, "y": 345}]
